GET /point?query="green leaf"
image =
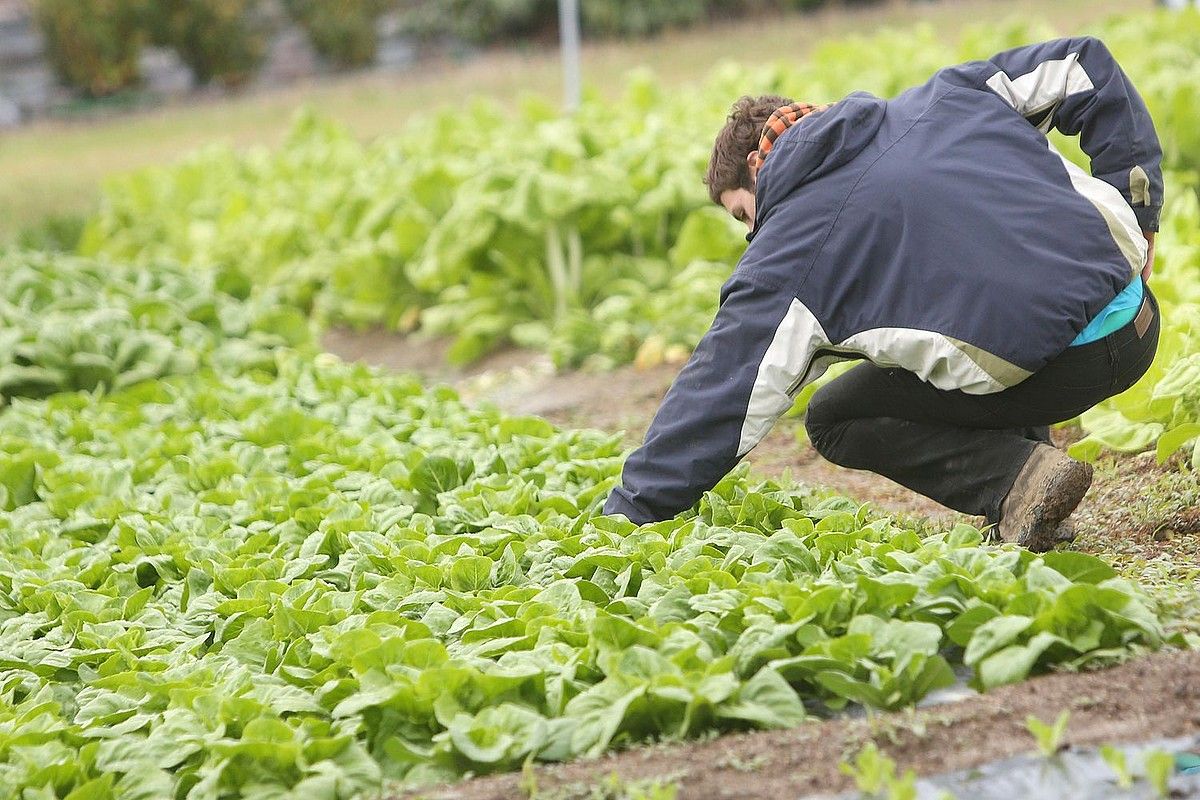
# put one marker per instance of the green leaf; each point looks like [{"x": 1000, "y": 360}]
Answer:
[
  {"x": 1079, "y": 567},
  {"x": 499, "y": 735},
  {"x": 707, "y": 234},
  {"x": 597, "y": 715},
  {"x": 96, "y": 789},
  {"x": 1049, "y": 737},
  {"x": 436, "y": 474},
  {"x": 471, "y": 574},
  {"x": 1159, "y": 766},
  {"x": 993, "y": 635},
  {"x": 964, "y": 626},
  {"x": 1015, "y": 662},
  {"x": 613, "y": 632},
  {"x": 767, "y": 700},
  {"x": 850, "y": 688},
  {"x": 1175, "y": 438},
  {"x": 1116, "y": 761},
  {"x": 17, "y": 481},
  {"x": 20, "y": 381}
]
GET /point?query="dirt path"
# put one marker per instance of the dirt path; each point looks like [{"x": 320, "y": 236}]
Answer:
[{"x": 1154, "y": 697}]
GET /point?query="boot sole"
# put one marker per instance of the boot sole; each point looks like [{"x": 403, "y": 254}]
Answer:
[{"x": 1063, "y": 492}]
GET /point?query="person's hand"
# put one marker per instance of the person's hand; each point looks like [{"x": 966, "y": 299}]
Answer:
[{"x": 1146, "y": 270}]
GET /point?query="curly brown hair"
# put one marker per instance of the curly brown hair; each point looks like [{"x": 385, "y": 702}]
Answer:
[{"x": 727, "y": 169}]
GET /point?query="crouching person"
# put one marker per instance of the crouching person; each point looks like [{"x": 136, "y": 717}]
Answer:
[{"x": 990, "y": 287}]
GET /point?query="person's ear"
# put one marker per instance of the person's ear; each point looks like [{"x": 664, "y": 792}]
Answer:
[{"x": 753, "y": 162}]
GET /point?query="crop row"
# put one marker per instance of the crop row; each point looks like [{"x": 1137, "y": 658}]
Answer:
[
  {"x": 590, "y": 236},
  {"x": 309, "y": 577},
  {"x": 69, "y": 324},
  {"x": 527, "y": 226}
]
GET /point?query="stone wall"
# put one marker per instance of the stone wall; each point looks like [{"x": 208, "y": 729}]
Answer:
[{"x": 27, "y": 84}]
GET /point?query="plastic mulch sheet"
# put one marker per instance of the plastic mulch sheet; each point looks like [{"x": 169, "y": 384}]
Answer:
[{"x": 1074, "y": 774}]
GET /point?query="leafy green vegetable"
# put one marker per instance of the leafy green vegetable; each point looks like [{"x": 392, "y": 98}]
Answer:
[
  {"x": 588, "y": 236},
  {"x": 75, "y": 324},
  {"x": 1159, "y": 765},
  {"x": 1049, "y": 737},
  {"x": 233, "y": 569},
  {"x": 1114, "y": 757},
  {"x": 310, "y": 579},
  {"x": 875, "y": 775}
]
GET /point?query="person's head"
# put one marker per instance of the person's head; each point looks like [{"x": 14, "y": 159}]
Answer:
[{"x": 734, "y": 164}]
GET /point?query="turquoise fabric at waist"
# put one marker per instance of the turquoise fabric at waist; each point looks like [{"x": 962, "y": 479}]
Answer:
[{"x": 1117, "y": 314}]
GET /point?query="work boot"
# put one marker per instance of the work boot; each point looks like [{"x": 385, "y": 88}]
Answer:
[{"x": 1046, "y": 491}]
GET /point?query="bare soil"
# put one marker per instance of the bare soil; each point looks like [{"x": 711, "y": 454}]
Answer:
[{"x": 1143, "y": 516}]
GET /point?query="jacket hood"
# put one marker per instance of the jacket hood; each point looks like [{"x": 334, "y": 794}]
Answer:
[{"x": 815, "y": 146}]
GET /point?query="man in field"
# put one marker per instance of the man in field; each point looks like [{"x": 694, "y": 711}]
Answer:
[{"x": 991, "y": 287}]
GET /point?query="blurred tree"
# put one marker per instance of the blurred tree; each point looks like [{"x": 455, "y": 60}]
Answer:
[
  {"x": 218, "y": 39},
  {"x": 343, "y": 31},
  {"x": 93, "y": 44},
  {"x": 639, "y": 17},
  {"x": 479, "y": 21}
]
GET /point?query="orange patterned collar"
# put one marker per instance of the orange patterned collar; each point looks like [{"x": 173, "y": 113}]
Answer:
[{"x": 780, "y": 120}]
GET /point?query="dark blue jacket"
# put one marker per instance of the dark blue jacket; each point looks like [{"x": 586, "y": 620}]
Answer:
[{"x": 939, "y": 232}]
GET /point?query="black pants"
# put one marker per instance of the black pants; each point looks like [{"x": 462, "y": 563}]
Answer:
[{"x": 964, "y": 450}]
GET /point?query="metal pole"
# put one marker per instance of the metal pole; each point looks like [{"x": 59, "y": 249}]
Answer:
[{"x": 568, "y": 34}]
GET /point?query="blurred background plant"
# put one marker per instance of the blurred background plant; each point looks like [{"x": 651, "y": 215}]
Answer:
[
  {"x": 344, "y": 31},
  {"x": 218, "y": 39},
  {"x": 94, "y": 45}
]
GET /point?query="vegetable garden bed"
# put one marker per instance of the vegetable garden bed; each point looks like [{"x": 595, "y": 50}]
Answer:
[
  {"x": 310, "y": 577},
  {"x": 1148, "y": 699},
  {"x": 234, "y": 567}
]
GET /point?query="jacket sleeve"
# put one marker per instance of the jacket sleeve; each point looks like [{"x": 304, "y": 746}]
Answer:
[
  {"x": 741, "y": 378},
  {"x": 1076, "y": 86}
]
